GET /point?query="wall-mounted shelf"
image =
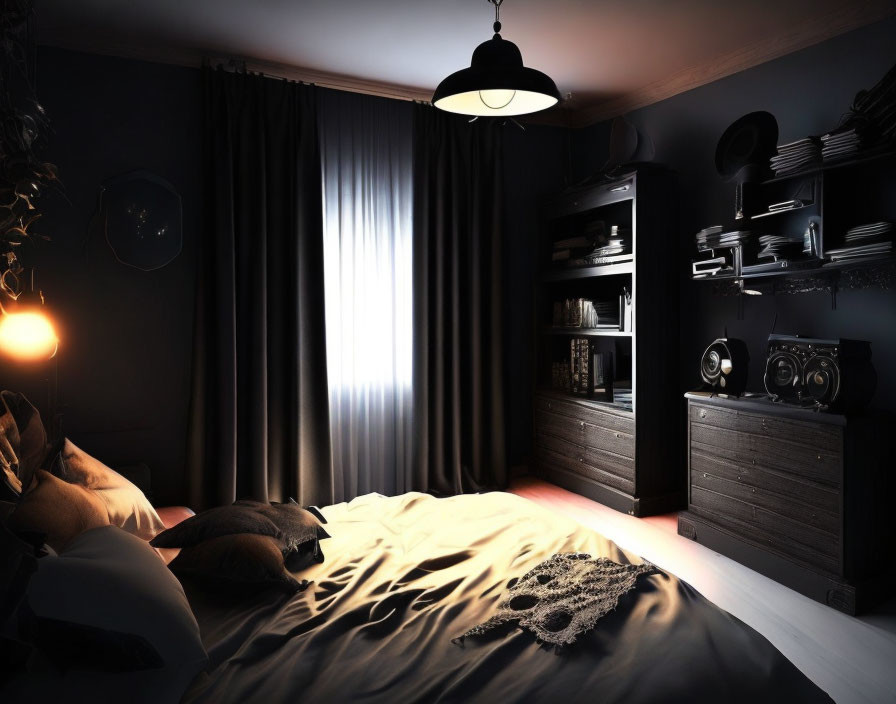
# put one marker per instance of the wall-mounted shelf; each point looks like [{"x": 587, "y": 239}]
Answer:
[
  {"x": 797, "y": 271},
  {"x": 862, "y": 159},
  {"x": 833, "y": 198}
]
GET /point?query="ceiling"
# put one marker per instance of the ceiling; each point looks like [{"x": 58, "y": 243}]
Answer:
[{"x": 609, "y": 56}]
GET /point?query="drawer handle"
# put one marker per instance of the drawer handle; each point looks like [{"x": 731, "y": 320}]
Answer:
[
  {"x": 702, "y": 413},
  {"x": 619, "y": 189},
  {"x": 618, "y": 435},
  {"x": 581, "y": 425},
  {"x": 581, "y": 459},
  {"x": 753, "y": 462},
  {"x": 818, "y": 457},
  {"x": 752, "y": 491},
  {"x": 550, "y": 406}
]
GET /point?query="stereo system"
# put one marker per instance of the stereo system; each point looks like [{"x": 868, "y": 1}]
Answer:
[
  {"x": 724, "y": 366},
  {"x": 835, "y": 374}
]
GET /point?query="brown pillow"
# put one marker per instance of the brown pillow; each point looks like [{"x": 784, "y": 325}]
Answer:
[
  {"x": 126, "y": 505},
  {"x": 243, "y": 562},
  {"x": 58, "y": 509}
]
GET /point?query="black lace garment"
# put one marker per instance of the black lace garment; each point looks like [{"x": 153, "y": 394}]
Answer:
[{"x": 564, "y": 596}]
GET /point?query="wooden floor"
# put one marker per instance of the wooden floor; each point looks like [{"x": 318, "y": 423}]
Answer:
[{"x": 853, "y": 659}]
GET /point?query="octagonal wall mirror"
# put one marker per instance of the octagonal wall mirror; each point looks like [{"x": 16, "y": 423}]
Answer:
[{"x": 142, "y": 216}]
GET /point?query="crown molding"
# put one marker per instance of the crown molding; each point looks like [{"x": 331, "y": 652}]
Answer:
[
  {"x": 813, "y": 30},
  {"x": 194, "y": 58}
]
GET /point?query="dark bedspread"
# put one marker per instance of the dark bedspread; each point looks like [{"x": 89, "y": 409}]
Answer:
[{"x": 404, "y": 575}]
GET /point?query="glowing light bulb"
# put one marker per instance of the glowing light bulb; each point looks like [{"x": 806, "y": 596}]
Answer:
[
  {"x": 27, "y": 336},
  {"x": 497, "y": 98}
]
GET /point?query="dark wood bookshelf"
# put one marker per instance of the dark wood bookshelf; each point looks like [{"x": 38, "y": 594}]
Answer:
[{"x": 616, "y": 452}]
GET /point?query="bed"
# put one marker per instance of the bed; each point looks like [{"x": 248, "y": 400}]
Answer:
[
  {"x": 89, "y": 611},
  {"x": 405, "y": 576}
]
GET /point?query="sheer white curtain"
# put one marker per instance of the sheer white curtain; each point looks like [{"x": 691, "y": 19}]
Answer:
[{"x": 366, "y": 156}]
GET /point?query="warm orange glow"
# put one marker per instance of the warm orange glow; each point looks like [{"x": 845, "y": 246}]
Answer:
[{"x": 27, "y": 336}]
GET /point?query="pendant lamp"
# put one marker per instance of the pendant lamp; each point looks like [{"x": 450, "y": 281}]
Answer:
[{"x": 496, "y": 83}]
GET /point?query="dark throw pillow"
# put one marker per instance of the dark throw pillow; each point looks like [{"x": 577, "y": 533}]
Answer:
[
  {"x": 247, "y": 546},
  {"x": 243, "y": 562},
  {"x": 291, "y": 526}
]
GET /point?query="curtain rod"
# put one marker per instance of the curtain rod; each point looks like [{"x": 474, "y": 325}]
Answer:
[{"x": 319, "y": 78}]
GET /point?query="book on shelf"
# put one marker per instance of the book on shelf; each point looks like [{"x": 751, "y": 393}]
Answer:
[
  {"x": 559, "y": 255},
  {"x": 579, "y": 242},
  {"x": 626, "y": 323},
  {"x": 581, "y": 366}
]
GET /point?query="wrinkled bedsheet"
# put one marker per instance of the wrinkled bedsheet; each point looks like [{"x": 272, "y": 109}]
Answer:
[{"x": 405, "y": 575}]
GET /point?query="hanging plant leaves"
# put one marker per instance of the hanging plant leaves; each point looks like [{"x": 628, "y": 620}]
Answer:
[{"x": 23, "y": 127}]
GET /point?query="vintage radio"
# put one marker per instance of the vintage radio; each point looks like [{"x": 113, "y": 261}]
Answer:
[
  {"x": 724, "y": 366},
  {"x": 835, "y": 374}
]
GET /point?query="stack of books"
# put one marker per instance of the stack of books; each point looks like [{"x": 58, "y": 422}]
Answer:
[
  {"x": 617, "y": 249},
  {"x": 571, "y": 248}
]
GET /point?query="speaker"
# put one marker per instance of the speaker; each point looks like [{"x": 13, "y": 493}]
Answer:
[
  {"x": 835, "y": 374},
  {"x": 724, "y": 366}
]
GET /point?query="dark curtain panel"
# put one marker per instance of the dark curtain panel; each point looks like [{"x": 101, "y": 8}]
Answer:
[
  {"x": 259, "y": 423},
  {"x": 458, "y": 385}
]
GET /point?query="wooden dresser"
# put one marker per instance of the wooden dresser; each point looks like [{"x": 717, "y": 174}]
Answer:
[
  {"x": 587, "y": 443},
  {"x": 797, "y": 495}
]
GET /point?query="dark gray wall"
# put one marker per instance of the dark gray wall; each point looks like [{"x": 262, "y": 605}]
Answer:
[
  {"x": 807, "y": 92},
  {"x": 125, "y": 353},
  {"x": 125, "y": 357},
  {"x": 536, "y": 163}
]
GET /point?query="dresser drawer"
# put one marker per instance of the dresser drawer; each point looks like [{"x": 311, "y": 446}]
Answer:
[
  {"x": 585, "y": 434},
  {"x": 623, "y": 467},
  {"x": 549, "y": 458},
  {"x": 771, "y": 452},
  {"x": 705, "y": 460},
  {"x": 621, "y": 421},
  {"x": 828, "y": 521},
  {"x": 766, "y": 527},
  {"x": 614, "y": 441},
  {"x": 816, "y": 435}
]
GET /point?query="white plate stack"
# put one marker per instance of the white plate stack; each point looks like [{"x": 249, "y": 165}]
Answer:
[
  {"x": 872, "y": 240},
  {"x": 801, "y": 155}
]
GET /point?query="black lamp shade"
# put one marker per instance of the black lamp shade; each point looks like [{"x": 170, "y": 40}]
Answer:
[{"x": 496, "y": 83}]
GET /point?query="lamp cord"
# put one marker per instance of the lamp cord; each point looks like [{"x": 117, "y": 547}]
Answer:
[{"x": 497, "y": 4}]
